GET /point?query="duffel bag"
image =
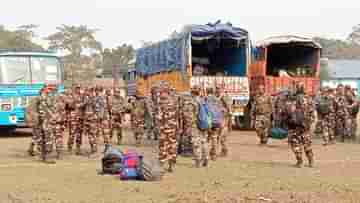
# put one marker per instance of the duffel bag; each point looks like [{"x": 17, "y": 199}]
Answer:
[
  {"x": 150, "y": 170},
  {"x": 278, "y": 133}
]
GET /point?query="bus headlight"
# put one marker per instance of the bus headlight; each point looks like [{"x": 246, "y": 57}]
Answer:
[{"x": 5, "y": 107}]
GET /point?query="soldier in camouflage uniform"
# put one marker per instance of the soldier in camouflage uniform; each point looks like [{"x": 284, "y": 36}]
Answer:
[
  {"x": 261, "y": 114},
  {"x": 117, "y": 111},
  {"x": 214, "y": 132},
  {"x": 152, "y": 106},
  {"x": 167, "y": 119},
  {"x": 32, "y": 116},
  {"x": 107, "y": 121},
  {"x": 76, "y": 104},
  {"x": 103, "y": 116},
  {"x": 353, "y": 108},
  {"x": 138, "y": 119},
  {"x": 199, "y": 137},
  {"x": 90, "y": 118},
  {"x": 341, "y": 112},
  {"x": 186, "y": 107},
  {"x": 226, "y": 103},
  {"x": 57, "y": 122},
  {"x": 45, "y": 113},
  {"x": 328, "y": 118},
  {"x": 299, "y": 118}
]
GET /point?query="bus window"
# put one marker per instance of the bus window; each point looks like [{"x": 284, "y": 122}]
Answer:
[{"x": 14, "y": 69}]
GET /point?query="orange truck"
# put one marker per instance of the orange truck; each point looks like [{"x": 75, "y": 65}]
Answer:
[
  {"x": 282, "y": 60},
  {"x": 203, "y": 55}
]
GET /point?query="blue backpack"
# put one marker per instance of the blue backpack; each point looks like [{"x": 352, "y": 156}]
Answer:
[
  {"x": 216, "y": 114},
  {"x": 204, "y": 117}
]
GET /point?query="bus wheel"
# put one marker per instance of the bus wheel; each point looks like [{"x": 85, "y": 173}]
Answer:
[{"x": 7, "y": 131}]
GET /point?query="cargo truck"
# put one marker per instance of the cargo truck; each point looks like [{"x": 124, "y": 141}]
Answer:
[{"x": 203, "y": 55}]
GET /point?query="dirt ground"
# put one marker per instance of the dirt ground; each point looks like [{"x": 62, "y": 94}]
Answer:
[{"x": 250, "y": 174}]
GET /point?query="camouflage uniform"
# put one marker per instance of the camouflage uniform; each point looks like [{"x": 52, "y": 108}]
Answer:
[
  {"x": 117, "y": 111},
  {"x": 328, "y": 120},
  {"x": 352, "y": 107},
  {"x": 32, "y": 117},
  {"x": 214, "y": 133},
  {"x": 90, "y": 119},
  {"x": 261, "y": 111},
  {"x": 106, "y": 127},
  {"x": 58, "y": 121},
  {"x": 138, "y": 120},
  {"x": 152, "y": 106},
  {"x": 226, "y": 103},
  {"x": 45, "y": 114},
  {"x": 76, "y": 104},
  {"x": 103, "y": 116},
  {"x": 187, "y": 104},
  {"x": 300, "y": 115},
  {"x": 199, "y": 137},
  {"x": 341, "y": 115},
  {"x": 167, "y": 119}
]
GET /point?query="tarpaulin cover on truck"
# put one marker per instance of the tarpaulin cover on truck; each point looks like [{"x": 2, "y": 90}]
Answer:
[{"x": 170, "y": 55}]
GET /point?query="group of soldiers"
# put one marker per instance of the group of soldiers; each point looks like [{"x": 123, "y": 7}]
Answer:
[
  {"x": 175, "y": 123},
  {"x": 173, "y": 119},
  {"x": 92, "y": 112},
  {"x": 296, "y": 111},
  {"x": 95, "y": 112}
]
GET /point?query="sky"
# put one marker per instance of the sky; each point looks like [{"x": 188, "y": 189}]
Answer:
[{"x": 133, "y": 21}]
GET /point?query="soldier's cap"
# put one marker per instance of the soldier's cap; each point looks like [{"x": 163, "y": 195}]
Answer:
[
  {"x": 340, "y": 85},
  {"x": 347, "y": 87}
]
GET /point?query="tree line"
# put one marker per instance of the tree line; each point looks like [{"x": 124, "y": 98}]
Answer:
[{"x": 84, "y": 54}]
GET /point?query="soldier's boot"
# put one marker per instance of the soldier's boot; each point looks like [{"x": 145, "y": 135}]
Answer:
[
  {"x": 197, "y": 163},
  {"x": 156, "y": 136},
  {"x": 107, "y": 146},
  {"x": 171, "y": 166},
  {"x": 342, "y": 138},
  {"x": 31, "y": 151},
  {"x": 310, "y": 157},
  {"x": 78, "y": 151},
  {"x": 205, "y": 163},
  {"x": 58, "y": 154},
  {"x": 93, "y": 150},
  {"x": 224, "y": 152},
  {"x": 69, "y": 149},
  {"x": 299, "y": 162},
  {"x": 46, "y": 159}
]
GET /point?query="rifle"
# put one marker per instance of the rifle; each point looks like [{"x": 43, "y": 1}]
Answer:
[{"x": 110, "y": 116}]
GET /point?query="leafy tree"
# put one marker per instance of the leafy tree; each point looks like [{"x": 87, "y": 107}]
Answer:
[
  {"x": 19, "y": 39},
  {"x": 355, "y": 35},
  {"x": 338, "y": 49},
  {"x": 117, "y": 57},
  {"x": 75, "y": 40}
]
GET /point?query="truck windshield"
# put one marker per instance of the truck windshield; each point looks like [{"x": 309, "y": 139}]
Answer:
[{"x": 26, "y": 69}]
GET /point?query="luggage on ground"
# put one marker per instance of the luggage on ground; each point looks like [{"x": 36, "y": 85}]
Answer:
[{"x": 278, "y": 133}]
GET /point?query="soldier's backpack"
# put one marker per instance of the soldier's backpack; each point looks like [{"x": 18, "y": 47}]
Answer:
[
  {"x": 204, "y": 117},
  {"x": 216, "y": 114},
  {"x": 323, "y": 106},
  {"x": 112, "y": 161}
]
